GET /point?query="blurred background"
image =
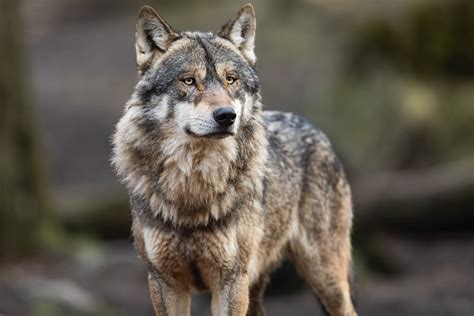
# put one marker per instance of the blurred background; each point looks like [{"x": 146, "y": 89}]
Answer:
[{"x": 390, "y": 82}]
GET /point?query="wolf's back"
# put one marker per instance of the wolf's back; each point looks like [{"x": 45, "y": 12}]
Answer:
[
  {"x": 295, "y": 141},
  {"x": 300, "y": 155}
]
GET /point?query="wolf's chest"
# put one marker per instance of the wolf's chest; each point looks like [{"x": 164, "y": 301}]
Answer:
[{"x": 192, "y": 260}]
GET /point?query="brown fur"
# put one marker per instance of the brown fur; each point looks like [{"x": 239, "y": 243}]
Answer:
[{"x": 219, "y": 215}]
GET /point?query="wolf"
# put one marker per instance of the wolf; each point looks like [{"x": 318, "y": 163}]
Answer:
[{"x": 220, "y": 190}]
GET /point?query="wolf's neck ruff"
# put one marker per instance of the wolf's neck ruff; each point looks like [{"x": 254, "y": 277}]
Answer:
[{"x": 186, "y": 181}]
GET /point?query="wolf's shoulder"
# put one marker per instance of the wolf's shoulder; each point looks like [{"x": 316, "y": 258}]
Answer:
[
  {"x": 294, "y": 139},
  {"x": 289, "y": 127},
  {"x": 278, "y": 119}
]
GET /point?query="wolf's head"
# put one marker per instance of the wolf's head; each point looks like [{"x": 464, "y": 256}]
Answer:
[
  {"x": 204, "y": 83},
  {"x": 192, "y": 130}
]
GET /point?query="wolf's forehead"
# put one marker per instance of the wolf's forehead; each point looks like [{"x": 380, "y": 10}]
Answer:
[
  {"x": 194, "y": 35},
  {"x": 199, "y": 50}
]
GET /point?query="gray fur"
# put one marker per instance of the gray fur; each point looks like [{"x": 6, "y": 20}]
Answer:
[{"x": 219, "y": 213}]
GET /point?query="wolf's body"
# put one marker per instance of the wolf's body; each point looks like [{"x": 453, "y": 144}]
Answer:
[{"x": 220, "y": 190}]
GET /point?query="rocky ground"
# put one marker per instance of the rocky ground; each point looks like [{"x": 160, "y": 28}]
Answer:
[{"x": 437, "y": 279}]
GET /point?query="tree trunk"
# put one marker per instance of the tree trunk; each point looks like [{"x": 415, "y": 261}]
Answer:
[{"x": 23, "y": 215}]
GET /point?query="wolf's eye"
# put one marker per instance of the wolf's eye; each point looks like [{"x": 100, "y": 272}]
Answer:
[
  {"x": 230, "y": 80},
  {"x": 188, "y": 81}
]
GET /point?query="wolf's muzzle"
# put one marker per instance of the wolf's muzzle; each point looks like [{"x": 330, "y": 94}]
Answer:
[{"x": 224, "y": 116}]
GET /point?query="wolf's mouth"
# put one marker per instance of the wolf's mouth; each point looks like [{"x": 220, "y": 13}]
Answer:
[{"x": 218, "y": 134}]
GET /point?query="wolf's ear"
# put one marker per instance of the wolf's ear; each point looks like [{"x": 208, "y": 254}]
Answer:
[
  {"x": 153, "y": 37},
  {"x": 240, "y": 30}
]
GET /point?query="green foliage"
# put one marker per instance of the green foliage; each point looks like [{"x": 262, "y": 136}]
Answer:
[
  {"x": 432, "y": 39},
  {"x": 388, "y": 121}
]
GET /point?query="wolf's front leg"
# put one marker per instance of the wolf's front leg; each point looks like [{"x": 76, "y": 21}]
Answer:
[
  {"x": 232, "y": 297},
  {"x": 166, "y": 300}
]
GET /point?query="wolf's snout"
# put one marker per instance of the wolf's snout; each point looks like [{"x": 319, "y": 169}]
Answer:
[{"x": 225, "y": 116}]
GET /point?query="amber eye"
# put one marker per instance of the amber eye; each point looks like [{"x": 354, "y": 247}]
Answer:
[
  {"x": 230, "y": 80},
  {"x": 188, "y": 81}
]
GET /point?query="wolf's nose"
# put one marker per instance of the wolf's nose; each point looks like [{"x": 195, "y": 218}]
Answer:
[{"x": 224, "y": 116}]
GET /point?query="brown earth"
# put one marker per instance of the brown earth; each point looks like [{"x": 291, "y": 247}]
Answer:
[{"x": 438, "y": 279}]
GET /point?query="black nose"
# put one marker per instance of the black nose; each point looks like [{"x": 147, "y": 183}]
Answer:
[{"x": 224, "y": 116}]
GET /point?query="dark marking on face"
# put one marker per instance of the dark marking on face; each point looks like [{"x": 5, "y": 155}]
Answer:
[
  {"x": 198, "y": 99},
  {"x": 211, "y": 71},
  {"x": 170, "y": 112}
]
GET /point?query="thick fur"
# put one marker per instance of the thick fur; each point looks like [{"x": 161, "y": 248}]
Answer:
[{"x": 217, "y": 209}]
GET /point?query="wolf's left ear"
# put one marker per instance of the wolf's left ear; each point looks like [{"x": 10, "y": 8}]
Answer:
[
  {"x": 240, "y": 30},
  {"x": 153, "y": 37}
]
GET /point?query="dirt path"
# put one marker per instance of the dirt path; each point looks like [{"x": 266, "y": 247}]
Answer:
[{"x": 110, "y": 280}]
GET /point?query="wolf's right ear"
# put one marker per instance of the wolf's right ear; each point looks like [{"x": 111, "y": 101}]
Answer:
[
  {"x": 240, "y": 30},
  {"x": 153, "y": 37}
]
